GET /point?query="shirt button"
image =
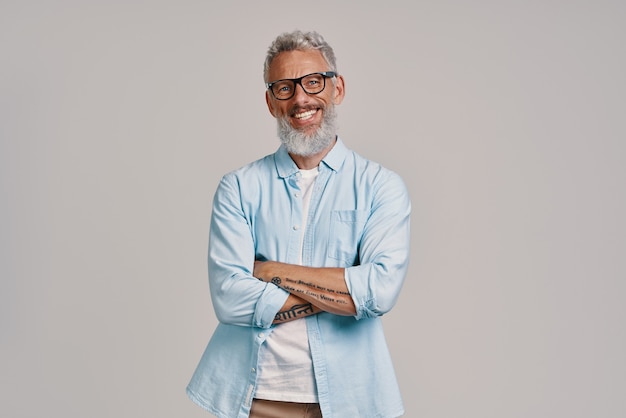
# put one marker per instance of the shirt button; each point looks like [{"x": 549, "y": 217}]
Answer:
[
  {"x": 297, "y": 194},
  {"x": 296, "y": 227},
  {"x": 261, "y": 335},
  {"x": 253, "y": 370}
]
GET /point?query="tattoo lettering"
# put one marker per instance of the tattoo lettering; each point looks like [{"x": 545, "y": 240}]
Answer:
[
  {"x": 311, "y": 293},
  {"x": 294, "y": 312}
]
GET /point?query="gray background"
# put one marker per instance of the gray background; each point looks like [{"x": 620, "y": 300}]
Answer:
[{"x": 506, "y": 118}]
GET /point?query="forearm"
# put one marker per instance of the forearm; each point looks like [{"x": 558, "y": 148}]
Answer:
[
  {"x": 324, "y": 287},
  {"x": 295, "y": 308}
]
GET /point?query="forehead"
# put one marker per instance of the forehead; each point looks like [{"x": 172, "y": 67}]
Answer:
[{"x": 294, "y": 64}]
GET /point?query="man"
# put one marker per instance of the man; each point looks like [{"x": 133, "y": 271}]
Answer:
[{"x": 308, "y": 249}]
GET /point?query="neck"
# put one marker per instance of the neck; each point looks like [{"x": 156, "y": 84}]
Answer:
[{"x": 311, "y": 161}]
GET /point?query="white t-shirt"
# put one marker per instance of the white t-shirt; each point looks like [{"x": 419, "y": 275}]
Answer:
[{"x": 285, "y": 371}]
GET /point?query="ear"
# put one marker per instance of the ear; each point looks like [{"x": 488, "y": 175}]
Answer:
[
  {"x": 340, "y": 90},
  {"x": 270, "y": 105}
]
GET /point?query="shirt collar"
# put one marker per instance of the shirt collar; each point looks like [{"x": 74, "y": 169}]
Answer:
[{"x": 334, "y": 159}]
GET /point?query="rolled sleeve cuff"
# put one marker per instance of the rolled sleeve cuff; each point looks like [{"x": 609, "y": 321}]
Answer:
[
  {"x": 270, "y": 302},
  {"x": 360, "y": 292}
]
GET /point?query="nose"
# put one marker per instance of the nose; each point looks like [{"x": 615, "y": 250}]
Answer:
[{"x": 299, "y": 95}]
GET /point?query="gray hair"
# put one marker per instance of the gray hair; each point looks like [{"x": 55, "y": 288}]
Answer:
[{"x": 299, "y": 41}]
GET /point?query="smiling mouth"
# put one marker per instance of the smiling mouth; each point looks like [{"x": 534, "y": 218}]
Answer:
[{"x": 305, "y": 115}]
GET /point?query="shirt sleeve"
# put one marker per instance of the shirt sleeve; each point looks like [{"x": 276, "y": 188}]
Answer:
[
  {"x": 238, "y": 298},
  {"x": 376, "y": 282}
]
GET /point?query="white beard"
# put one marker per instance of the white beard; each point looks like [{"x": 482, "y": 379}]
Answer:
[{"x": 298, "y": 143}]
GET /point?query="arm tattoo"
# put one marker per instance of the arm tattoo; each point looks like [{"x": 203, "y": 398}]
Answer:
[
  {"x": 313, "y": 291},
  {"x": 294, "y": 312}
]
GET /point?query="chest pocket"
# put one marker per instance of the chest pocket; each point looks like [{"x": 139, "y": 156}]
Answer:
[{"x": 346, "y": 229}]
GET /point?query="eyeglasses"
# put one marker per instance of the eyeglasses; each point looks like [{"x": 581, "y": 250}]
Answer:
[{"x": 311, "y": 83}]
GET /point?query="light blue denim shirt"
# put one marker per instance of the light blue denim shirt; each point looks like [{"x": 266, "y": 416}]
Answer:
[{"x": 358, "y": 219}]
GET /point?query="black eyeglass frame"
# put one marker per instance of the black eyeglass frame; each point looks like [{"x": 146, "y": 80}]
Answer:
[{"x": 296, "y": 81}]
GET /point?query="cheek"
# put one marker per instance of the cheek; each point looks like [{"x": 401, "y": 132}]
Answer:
[
  {"x": 281, "y": 110},
  {"x": 275, "y": 108}
]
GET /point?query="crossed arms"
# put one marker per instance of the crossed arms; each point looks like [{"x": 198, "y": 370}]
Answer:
[
  {"x": 312, "y": 290},
  {"x": 258, "y": 293}
]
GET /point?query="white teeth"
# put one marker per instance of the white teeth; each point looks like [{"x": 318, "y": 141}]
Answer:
[{"x": 305, "y": 115}]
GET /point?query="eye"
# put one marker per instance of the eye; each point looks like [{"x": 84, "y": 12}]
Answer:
[
  {"x": 282, "y": 87},
  {"x": 312, "y": 81}
]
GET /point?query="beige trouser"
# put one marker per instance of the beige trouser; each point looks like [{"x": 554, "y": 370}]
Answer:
[{"x": 274, "y": 409}]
